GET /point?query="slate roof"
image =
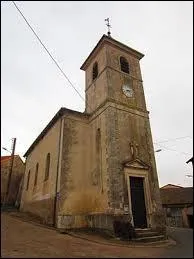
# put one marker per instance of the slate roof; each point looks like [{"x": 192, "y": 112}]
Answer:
[{"x": 177, "y": 195}]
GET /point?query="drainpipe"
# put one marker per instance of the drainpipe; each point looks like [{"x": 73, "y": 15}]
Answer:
[{"x": 57, "y": 177}]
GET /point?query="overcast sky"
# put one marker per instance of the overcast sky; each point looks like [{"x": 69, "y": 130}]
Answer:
[{"x": 33, "y": 90}]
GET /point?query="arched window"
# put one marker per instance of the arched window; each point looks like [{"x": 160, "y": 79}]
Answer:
[
  {"x": 95, "y": 70},
  {"x": 98, "y": 140},
  {"x": 28, "y": 180},
  {"x": 47, "y": 166},
  {"x": 124, "y": 65},
  {"x": 36, "y": 175}
]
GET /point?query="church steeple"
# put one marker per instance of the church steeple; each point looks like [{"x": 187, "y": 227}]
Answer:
[
  {"x": 109, "y": 40},
  {"x": 113, "y": 74}
]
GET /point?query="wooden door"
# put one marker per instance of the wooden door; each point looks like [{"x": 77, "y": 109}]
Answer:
[{"x": 138, "y": 202}]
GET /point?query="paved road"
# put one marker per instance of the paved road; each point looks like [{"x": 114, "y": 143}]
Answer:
[
  {"x": 23, "y": 239},
  {"x": 184, "y": 239}
]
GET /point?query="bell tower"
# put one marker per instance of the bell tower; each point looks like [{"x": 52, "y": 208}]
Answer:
[
  {"x": 113, "y": 74},
  {"x": 116, "y": 103}
]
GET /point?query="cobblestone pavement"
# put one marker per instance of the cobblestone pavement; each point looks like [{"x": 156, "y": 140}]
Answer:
[{"x": 24, "y": 239}]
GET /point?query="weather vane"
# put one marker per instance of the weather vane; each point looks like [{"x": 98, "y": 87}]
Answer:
[{"x": 108, "y": 25}]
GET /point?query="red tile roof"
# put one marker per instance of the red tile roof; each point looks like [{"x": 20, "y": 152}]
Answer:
[
  {"x": 177, "y": 195},
  {"x": 6, "y": 158},
  {"x": 171, "y": 186}
]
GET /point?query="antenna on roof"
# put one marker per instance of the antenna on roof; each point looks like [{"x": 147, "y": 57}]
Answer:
[{"x": 108, "y": 25}]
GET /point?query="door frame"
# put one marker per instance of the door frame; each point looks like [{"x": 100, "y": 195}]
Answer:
[{"x": 143, "y": 173}]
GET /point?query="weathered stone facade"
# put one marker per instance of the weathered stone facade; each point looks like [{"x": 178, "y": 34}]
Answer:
[
  {"x": 39, "y": 199},
  {"x": 94, "y": 154}
]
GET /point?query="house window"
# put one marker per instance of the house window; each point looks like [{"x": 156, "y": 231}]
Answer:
[
  {"x": 47, "y": 167},
  {"x": 168, "y": 212},
  {"x": 28, "y": 180},
  {"x": 36, "y": 174},
  {"x": 176, "y": 212},
  {"x": 124, "y": 65},
  {"x": 95, "y": 70}
]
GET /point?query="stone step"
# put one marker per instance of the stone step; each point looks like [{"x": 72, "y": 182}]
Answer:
[
  {"x": 146, "y": 234},
  {"x": 142, "y": 230},
  {"x": 8, "y": 208},
  {"x": 149, "y": 239}
]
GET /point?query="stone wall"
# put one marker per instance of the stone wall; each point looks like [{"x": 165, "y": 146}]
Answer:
[
  {"x": 38, "y": 199},
  {"x": 96, "y": 93},
  {"x": 124, "y": 127},
  {"x": 82, "y": 177},
  {"x": 16, "y": 177},
  {"x": 86, "y": 187},
  {"x": 41, "y": 209},
  {"x": 99, "y": 221}
]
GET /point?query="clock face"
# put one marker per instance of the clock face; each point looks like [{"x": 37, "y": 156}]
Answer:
[{"x": 127, "y": 90}]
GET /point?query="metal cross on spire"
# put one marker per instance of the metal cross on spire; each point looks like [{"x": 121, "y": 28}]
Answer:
[{"x": 108, "y": 25}]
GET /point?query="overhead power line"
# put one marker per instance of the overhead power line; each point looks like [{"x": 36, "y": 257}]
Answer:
[
  {"x": 164, "y": 141},
  {"x": 48, "y": 52},
  {"x": 183, "y": 153},
  {"x": 169, "y": 140},
  {"x": 63, "y": 73}
]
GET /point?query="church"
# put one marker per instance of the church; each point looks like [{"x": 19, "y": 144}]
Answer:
[{"x": 86, "y": 169}]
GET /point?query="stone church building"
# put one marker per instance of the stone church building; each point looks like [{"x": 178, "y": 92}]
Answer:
[{"x": 85, "y": 169}]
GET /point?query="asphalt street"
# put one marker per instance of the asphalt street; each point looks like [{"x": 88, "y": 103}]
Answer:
[{"x": 24, "y": 239}]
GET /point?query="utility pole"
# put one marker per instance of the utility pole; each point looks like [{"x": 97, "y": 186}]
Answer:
[{"x": 10, "y": 170}]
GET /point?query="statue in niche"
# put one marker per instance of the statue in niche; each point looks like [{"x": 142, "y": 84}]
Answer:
[{"x": 133, "y": 149}]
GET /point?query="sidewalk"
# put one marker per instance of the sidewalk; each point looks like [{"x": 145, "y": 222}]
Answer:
[
  {"x": 91, "y": 236},
  {"x": 97, "y": 238},
  {"x": 28, "y": 218}
]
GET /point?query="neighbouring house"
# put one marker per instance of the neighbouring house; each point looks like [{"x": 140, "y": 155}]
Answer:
[
  {"x": 85, "y": 169},
  {"x": 16, "y": 179},
  {"x": 177, "y": 202}
]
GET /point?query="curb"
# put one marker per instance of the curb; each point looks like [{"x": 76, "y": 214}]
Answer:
[
  {"x": 170, "y": 242},
  {"x": 32, "y": 222}
]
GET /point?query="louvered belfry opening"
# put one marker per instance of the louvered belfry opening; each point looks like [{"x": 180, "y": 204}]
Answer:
[
  {"x": 124, "y": 65},
  {"x": 95, "y": 70}
]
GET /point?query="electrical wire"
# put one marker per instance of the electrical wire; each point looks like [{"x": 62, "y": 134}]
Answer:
[
  {"x": 48, "y": 52},
  {"x": 172, "y": 139},
  {"x": 184, "y": 153},
  {"x": 63, "y": 73}
]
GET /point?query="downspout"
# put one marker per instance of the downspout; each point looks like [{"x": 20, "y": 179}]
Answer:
[
  {"x": 57, "y": 177},
  {"x": 22, "y": 191}
]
